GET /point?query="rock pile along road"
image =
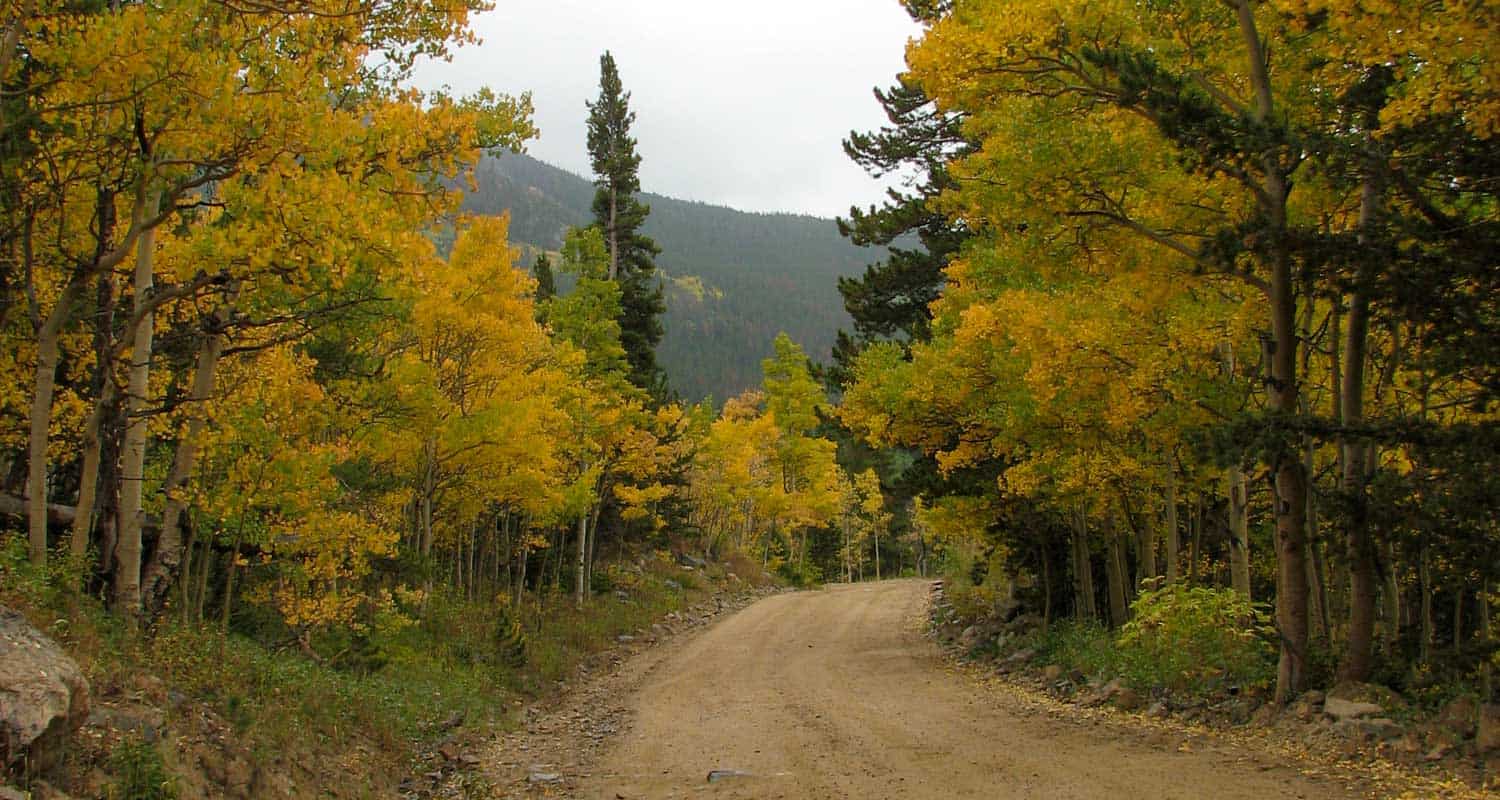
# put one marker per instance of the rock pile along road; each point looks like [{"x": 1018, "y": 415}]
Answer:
[{"x": 837, "y": 694}]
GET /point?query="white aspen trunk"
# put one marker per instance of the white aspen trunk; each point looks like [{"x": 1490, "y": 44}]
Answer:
[
  {"x": 159, "y": 573},
  {"x": 44, "y": 387},
  {"x": 88, "y": 479},
  {"x": 1239, "y": 532},
  {"x": 583, "y": 538},
  {"x": 127, "y": 598}
]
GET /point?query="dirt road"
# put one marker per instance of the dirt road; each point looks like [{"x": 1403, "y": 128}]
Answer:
[{"x": 836, "y": 694}]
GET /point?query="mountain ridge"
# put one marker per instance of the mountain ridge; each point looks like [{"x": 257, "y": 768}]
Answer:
[{"x": 732, "y": 279}]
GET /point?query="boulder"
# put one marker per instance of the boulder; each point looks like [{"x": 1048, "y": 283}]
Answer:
[
  {"x": 1052, "y": 672},
  {"x": 1021, "y": 656},
  {"x": 44, "y": 696},
  {"x": 1265, "y": 716},
  {"x": 1367, "y": 728},
  {"x": 1460, "y": 715},
  {"x": 1341, "y": 709},
  {"x": 1367, "y": 693},
  {"x": 1126, "y": 699},
  {"x": 969, "y": 637},
  {"x": 1487, "y": 737}
]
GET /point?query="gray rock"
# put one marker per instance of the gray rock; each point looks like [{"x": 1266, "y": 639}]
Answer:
[
  {"x": 44, "y": 696},
  {"x": 1460, "y": 715},
  {"x": 1158, "y": 710},
  {"x": 969, "y": 637},
  {"x": 1053, "y": 673},
  {"x": 1341, "y": 709},
  {"x": 543, "y": 777},
  {"x": 1264, "y": 716},
  {"x": 1487, "y": 738},
  {"x": 1021, "y": 656},
  {"x": 716, "y": 775},
  {"x": 1367, "y": 728},
  {"x": 1126, "y": 699},
  {"x": 624, "y": 638},
  {"x": 9, "y": 793}
]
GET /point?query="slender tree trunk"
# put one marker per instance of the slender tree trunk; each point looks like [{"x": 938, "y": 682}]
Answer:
[
  {"x": 583, "y": 538},
  {"x": 1239, "y": 532},
  {"x": 185, "y": 577},
  {"x": 588, "y": 578},
  {"x": 1392, "y": 600},
  {"x": 1114, "y": 571},
  {"x": 44, "y": 387},
  {"x": 1486, "y": 635},
  {"x": 1083, "y": 571},
  {"x": 1316, "y": 582},
  {"x": 162, "y": 569},
  {"x": 231, "y": 566},
  {"x": 1046, "y": 589},
  {"x": 1291, "y": 482},
  {"x": 424, "y": 506},
  {"x": 88, "y": 478},
  {"x": 132, "y": 517},
  {"x": 877, "y": 554},
  {"x": 206, "y": 565},
  {"x": 1173, "y": 535},
  {"x": 1146, "y": 546},
  {"x": 104, "y": 384},
  {"x": 1424, "y": 578},
  {"x": 1238, "y": 493},
  {"x": 1195, "y": 540},
  {"x": 1458, "y": 618},
  {"x": 1360, "y": 548}
]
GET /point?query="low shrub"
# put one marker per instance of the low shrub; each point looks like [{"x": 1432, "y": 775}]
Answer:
[
  {"x": 1193, "y": 638},
  {"x": 140, "y": 773}
]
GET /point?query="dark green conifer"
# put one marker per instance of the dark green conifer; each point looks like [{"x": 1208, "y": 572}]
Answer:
[{"x": 619, "y": 213}]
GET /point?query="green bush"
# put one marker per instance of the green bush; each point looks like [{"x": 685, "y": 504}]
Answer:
[
  {"x": 1083, "y": 645},
  {"x": 1195, "y": 638}
]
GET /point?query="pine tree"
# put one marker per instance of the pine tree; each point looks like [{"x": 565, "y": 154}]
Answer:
[
  {"x": 546, "y": 284},
  {"x": 618, "y": 213},
  {"x": 890, "y": 300}
]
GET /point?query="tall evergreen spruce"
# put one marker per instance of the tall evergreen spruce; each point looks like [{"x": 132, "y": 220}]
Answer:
[
  {"x": 618, "y": 213},
  {"x": 890, "y": 300},
  {"x": 546, "y": 283}
]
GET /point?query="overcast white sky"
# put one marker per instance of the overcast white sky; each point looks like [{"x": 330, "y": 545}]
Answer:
[{"x": 741, "y": 104}]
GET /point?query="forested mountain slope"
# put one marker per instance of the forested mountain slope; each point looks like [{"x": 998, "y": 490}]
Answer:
[{"x": 733, "y": 279}]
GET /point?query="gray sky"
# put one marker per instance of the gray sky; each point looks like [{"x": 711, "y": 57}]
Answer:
[{"x": 738, "y": 104}]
